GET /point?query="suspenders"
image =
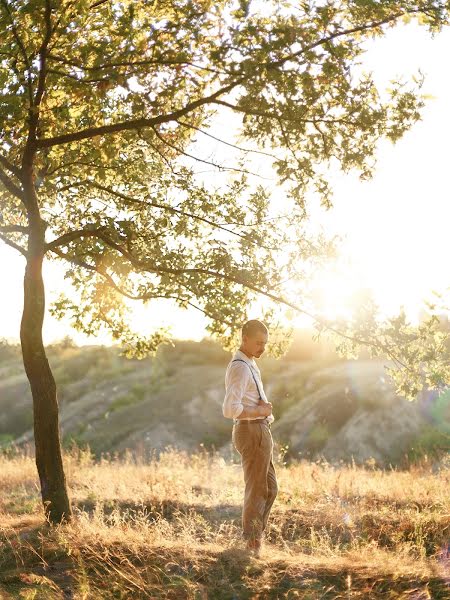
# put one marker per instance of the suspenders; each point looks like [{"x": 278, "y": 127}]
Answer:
[{"x": 254, "y": 378}]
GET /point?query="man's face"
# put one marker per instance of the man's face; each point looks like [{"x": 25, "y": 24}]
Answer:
[{"x": 255, "y": 345}]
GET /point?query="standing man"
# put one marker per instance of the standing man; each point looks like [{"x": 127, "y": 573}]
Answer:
[{"x": 245, "y": 402}]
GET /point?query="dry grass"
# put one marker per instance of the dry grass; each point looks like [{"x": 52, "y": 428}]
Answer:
[{"x": 170, "y": 528}]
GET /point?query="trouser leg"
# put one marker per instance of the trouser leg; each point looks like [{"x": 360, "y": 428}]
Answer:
[
  {"x": 272, "y": 490},
  {"x": 254, "y": 444}
]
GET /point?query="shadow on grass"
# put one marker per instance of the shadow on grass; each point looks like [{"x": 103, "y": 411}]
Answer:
[
  {"x": 32, "y": 565},
  {"x": 165, "y": 508},
  {"x": 294, "y": 525}
]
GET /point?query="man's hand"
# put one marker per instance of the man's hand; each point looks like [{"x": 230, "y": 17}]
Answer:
[
  {"x": 262, "y": 409},
  {"x": 265, "y": 408}
]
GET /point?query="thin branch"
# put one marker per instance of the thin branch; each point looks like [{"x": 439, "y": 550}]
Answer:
[
  {"x": 147, "y": 296},
  {"x": 204, "y": 161},
  {"x": 268, "y": 115},
  {"x": 98, "y": 3},
  {"x": 212, "y": 316},
  {"x": 9, "y": 166},
  {"x": 13, "y": 245},
  {"x": 152, "y": 268},
  {"x": 22, "y": 50},
  {"x": 154, "y": 147},
  {"x": 11, "y": 186},
  {"x": 66, "y": 238},
  {"x": 338, "y": 34},
  {"x": 81, "y": 164},
  {"x": 43, "y": 53},
  {"x": 183, "y": 213},
  {"x": 77, "y": 79},
  {"x": 213, "y": 137},
  {"x": 287, "y": 143},
  {"x": 137, "y": 63},
  {"x": 152, "y": 296}
]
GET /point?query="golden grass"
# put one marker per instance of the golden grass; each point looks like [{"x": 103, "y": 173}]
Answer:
[{"x": 170, "y": 528}]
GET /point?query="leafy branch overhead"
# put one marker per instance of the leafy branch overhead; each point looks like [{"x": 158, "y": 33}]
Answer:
[{"x": 101, "y": 108}]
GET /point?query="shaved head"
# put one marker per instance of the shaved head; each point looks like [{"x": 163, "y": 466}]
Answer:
[
  {"x": 254, "y": 338},
  {"x": 252, "y": 327}
]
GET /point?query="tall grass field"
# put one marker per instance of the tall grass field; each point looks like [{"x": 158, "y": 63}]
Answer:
[{"x": 168, "y": 526}]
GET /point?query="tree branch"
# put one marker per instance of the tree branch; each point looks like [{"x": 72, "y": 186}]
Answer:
[
  {"x": 204, "y": 161},
  {"x": 98, "y": 3},
  {"x": 337, "y": 34},
  {"x": 148, "y": 296},
  {"x": 168, "y": 208},
  {"x": 43, "y": 54},
  {"x": 71, "y": 236},
  {"x": 152, "y": 268},
  {"x": 268, "y": 115},
  {"x": 213, "y": 137},
  {"x": 68, "y": 237},
  {"x": 135, "y": 123},
  {"x": 14, "y": 229},
  {"x": 13, "y": 245},
  {"x": 80, "y": 163},
  {"x": 136, "y": 63},
  {"x": 11, "y": 186},
  {"x": 146, "y": 266},
  {"x": 10, "y": 167},
  {"x": 22, "y": 49},
  {"x": 151, "y": 122}
]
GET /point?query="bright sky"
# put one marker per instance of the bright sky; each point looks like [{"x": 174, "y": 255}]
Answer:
[{"x": 396, "y": 225}]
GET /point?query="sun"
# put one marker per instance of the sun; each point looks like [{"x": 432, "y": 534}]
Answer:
[{"x": 335, "y": 293}]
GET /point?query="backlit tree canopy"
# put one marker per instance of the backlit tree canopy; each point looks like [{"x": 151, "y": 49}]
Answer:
[{"x": 101, "y": 102}]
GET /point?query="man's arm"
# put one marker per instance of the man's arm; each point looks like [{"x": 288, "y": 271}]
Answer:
[
  {"x": 233, "y": 408},
  {"x": 264, "y": 409}
]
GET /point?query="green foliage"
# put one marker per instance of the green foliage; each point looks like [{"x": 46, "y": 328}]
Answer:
[
  {"x": 136, "y": 394},
  {"x": 72, "y": 364},
  {"x": 419, "y": 356},
  {"x": 194, "y": 353},
  {"x": 431, "y": 443},
  {"x": 318, "y": 437},
  {"x": 5, "y": 439}
]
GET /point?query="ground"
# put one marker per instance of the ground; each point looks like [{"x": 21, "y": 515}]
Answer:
[{"x": 170, "y": 528}]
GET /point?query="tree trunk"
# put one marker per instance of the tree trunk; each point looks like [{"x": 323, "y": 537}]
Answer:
[{"x": 43, "y": 388}]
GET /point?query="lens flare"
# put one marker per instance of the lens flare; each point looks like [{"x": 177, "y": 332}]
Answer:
[{"x": 435, "y": 407}]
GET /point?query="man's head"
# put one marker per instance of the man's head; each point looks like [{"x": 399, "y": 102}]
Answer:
[{"x": 254, "y": 338}]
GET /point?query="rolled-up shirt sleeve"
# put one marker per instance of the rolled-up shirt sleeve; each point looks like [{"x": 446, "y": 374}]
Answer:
[{"x": 235, "y": 386}]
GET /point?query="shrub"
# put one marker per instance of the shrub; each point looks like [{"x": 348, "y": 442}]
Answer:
[
  {"x": 318, "y": 436},
  {"x": 431, "y": 442}
]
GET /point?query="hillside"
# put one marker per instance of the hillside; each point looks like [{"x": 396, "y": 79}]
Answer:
[
  {"x": 169, "y": 528},
  {"x": 324, "y": 406}
]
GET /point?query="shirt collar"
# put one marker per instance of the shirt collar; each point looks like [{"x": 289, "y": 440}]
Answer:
[{"x": 241, "y": 355}]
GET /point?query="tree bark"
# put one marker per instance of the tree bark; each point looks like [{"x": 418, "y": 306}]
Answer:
[{"x": 43, "y": 388}]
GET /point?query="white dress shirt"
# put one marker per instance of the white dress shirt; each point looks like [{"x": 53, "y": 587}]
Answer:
[{"x": 240, "y": 387}]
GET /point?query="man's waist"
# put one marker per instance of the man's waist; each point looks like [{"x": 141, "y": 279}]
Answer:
[{"x": 256, "y": 420}]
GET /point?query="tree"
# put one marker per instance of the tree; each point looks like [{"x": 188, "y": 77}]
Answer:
[{"x": 101, "y": 101}]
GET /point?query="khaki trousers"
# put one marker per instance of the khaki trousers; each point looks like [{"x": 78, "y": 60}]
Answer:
[{"x": 254, "y": 443}]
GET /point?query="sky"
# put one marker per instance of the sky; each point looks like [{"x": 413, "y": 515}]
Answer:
[{"x": 395, "y": 225}]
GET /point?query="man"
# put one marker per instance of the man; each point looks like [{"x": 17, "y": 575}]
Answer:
[{"x": 245, "y": 402}]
